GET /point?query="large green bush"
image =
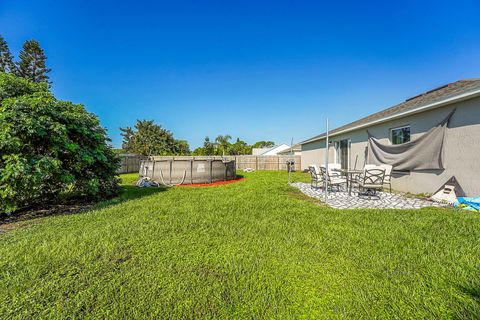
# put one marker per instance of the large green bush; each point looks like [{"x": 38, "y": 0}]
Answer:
[{"x": 50, "y": 150}]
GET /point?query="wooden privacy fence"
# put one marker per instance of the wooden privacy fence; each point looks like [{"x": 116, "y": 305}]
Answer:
[
  {"x": 265, "y": 162},
  {"x": 131, "y": 163},
  {"x": 245, "y": 161}
]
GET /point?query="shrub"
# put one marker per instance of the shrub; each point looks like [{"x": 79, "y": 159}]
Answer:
[{"x": 50, "y": 150}]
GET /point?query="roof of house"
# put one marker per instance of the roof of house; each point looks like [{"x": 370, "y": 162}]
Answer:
[
  {"x": 449, "y": 93},
  {"x": 296, "y": 147},
  {"x": 262, "y": 151}
]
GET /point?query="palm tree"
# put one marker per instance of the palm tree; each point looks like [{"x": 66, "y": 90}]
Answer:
[{"x": 223, "y": 142}]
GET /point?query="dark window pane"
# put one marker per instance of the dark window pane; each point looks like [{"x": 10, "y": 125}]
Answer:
[{"x": 400, "y": 135}]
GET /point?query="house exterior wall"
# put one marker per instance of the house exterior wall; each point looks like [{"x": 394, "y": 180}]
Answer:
[
  {"x": 287, "y": 153},
  {"x": 259, "y": 151},
  {"x": 461, "y": 149}
]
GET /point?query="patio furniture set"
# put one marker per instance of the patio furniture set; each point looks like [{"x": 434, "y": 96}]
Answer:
[
  {"x": 358, "y": 189},
  {"x": 367, "y": 182}
]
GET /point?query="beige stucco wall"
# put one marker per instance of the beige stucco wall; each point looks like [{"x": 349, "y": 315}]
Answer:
[{"x": 461, "y": 149}]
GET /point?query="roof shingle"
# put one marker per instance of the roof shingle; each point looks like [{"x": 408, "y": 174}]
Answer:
[{"x": 436, "y": 95}]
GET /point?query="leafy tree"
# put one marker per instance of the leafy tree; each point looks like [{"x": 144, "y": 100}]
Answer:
[
  {"x": 127, "y": 134},
  {"x": 208, "y": 148},
  {"x": 148, "y": 138},
  {"x": 11, "y": 86},
  {"x": 222, "y": 144},
  {"x": 6, "y": 59},
  {"x": 32, "y": 64},
  {"x": 198, "y": 151},
  {"x": 182, "y": 147},
  {"x": 263, "y": 144},
  {"x": 240, "y": 147},
  {"x": 50, "y": 149}
]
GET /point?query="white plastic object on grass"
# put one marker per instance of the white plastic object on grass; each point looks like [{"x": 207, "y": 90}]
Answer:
[
  {"x": 445, "y": 195},
  {"x": 145, "y": 182}
]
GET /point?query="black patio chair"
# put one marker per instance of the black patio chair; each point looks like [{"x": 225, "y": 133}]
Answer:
[
  {"x": 370, "y": 182},
  {"x": 316, "y": 176}
]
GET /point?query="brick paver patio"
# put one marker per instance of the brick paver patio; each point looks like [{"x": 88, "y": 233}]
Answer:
[{"x": 385, "y": 200}]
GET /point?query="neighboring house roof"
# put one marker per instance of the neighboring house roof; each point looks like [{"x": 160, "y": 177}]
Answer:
[
  {"x": 260, "y": 151},
  {"x": 271, "y": 151},
  {"x": 452, "y": 92}
]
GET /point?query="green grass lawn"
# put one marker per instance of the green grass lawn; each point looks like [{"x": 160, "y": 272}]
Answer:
[{"x": 252, "y": 249}]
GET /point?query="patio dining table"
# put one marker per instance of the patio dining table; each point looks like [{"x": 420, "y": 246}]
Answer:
[{"x": 349, "y": 174}]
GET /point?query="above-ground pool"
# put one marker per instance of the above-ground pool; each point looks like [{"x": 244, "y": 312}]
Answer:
[{"x": 187, "y": 170}]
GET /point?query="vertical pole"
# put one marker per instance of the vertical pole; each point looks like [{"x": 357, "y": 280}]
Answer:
[
  {"x": 153, "y": 170},
  {"x": 211, "y": 170},
  {"x": 326, "y": 163},
  {"x": 226, "y": 169},
  {"x": 289, "y": 163},
  {"x": 256, "y": 163},
  {"x": 191, "y": 170}
]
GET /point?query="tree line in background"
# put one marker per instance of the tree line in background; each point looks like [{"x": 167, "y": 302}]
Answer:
[
  {"x": 148, "y": 138},
  {"x": 31, "y": 64},
  {"x": 222, "y": 146}
]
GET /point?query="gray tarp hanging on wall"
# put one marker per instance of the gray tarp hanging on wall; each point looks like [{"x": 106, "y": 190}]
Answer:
[{"x": 424, "y": 152}]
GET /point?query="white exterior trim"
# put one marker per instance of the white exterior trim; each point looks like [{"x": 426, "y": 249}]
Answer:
[
  {"x": 273, "y": 151},
  {"x": 276, "y": 150}
]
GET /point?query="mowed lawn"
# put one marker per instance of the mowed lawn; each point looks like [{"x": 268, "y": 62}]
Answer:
[{"x": 252, "y": 249}]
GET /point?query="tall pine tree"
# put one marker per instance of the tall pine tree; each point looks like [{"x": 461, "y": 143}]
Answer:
[
  {"x": 6, "y": 59},
  {"x": 32, "y": 62}
]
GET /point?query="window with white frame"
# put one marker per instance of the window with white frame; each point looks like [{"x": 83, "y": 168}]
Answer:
[{"x": 400, "y": 135}]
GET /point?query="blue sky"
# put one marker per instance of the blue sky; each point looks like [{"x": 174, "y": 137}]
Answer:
[{"x": 259, "y": 70}]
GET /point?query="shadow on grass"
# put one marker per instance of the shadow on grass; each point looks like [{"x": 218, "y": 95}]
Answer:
[
  {"x": 129, "y": 193},
  {"x": 474, "y": 293},
  {"x": 30, "y": 215},
  {"x": 297, "y": 194},
  {"x": 27, "y": 216}
]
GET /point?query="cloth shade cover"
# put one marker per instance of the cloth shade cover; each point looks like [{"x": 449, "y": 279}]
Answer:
[{"x": 422, "y": 153}]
